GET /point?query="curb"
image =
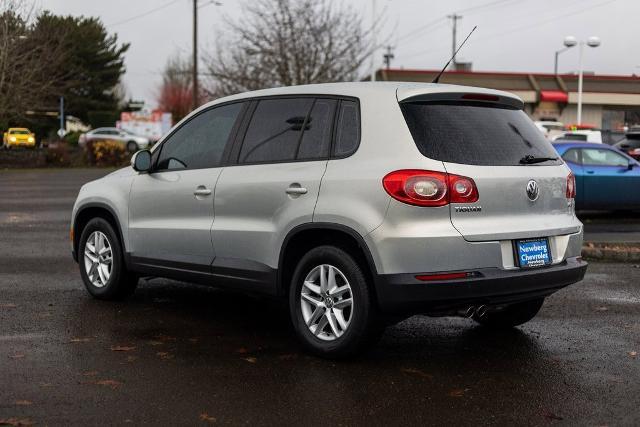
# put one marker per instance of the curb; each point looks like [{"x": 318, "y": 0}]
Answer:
[{"x": 621, "y": 252}]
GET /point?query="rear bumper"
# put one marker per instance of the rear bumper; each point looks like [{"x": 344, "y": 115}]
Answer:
[{"x": 403, "y": 293}]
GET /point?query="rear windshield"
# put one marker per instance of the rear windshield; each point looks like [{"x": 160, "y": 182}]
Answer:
[{"x": 476, "y": 134}]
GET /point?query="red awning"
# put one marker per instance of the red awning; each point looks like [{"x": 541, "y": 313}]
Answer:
[{"x": 554, "y": 96}]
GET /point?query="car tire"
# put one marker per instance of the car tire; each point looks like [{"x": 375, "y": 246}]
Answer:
[
  {"x": 358, "y": 325},
  {"x": 511, "y": 316},
  {"x": 104, "y": 280},
  {"x": 132, "y": 146}
]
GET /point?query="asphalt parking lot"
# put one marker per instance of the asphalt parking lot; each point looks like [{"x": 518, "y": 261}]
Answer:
[{"x": 180, "y": 354}]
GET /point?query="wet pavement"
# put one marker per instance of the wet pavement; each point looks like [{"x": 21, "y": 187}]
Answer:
[
  {"x": 177, "y": 354},
  {"x": 611, "y": 227}
]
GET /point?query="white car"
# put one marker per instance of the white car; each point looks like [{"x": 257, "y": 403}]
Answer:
[
  {"x": 594, "y": 136},
  {"x": 130, "y": 140},
  {"x": 359, "y": 203},
  {"x": 550, "y": 129}
]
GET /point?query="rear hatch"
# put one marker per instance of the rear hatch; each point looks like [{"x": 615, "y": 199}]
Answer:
[{"x": 488, "y": 138}]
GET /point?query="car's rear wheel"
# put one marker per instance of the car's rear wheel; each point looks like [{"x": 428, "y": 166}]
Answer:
[
  {"x": 331, "y": 305},
  {"x": 102, "y": 262},
  {"x": 132, "y": 146},
  {"x": 510, "y": 316}
]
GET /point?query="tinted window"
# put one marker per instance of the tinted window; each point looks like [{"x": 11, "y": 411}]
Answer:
[
  {"x": 603, "y": 157},
  {"x": 475, "y": 135},
  {"x": 200, "y": 142},
  {"x": 348, "y": 129},
  {"x": 572, "y": 156},
  {"x": 275, "y": 130},
  {"x": 631, "y": 141},
  {"x": 316, "y": 138},
  {"x": 574, "y": 137}
]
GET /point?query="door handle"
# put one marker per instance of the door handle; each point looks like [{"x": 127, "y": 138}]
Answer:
[
  {"x": 590, "y": 172},
  {"x": 296, "y": 189},
  {"x": 202, "y": 191}
]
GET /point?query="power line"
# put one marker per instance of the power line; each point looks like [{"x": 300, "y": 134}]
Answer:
[
  {"x": 536, "y": 24},
  {"x": 142, "y": 15},
  {"x": 482, "y": 6},
  {"x": 420, "y": 29},
  {"x": 214, "y": 2},
  {"x": 442, "y": 19}
]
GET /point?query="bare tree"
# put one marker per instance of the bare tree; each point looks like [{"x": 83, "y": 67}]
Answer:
[
  {"x": 32, "y": 66},
  {"x": 176, "y": 89},
  {"x": 288, "y": 42}
]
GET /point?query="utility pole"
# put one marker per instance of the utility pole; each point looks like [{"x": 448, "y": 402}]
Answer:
[
  {"x": 195, "y": 54},
  {"x": 374, "y": 40},
  {"x": 388, "y": 57},
  {"x": 455, "y": 17}
]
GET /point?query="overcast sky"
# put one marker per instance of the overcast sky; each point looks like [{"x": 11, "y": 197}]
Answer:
[{"x": 512, "y": 35}]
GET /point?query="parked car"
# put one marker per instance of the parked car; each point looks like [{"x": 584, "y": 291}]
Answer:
[
  {"x": 606, "y": 178},
  {"x": 594, "y": 136},
  {"x": 630, "y": 144},
  {"x": 18, "y": 137},
  {"x": 550, "y": 129},
  {"x": 131, "y": 141},
  {"x": 361, "y": 203}
]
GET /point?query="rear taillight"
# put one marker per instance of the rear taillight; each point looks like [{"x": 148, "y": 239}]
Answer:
[
  {"x": 571, "y": 186},
  {"x": 429, "y": 188}
]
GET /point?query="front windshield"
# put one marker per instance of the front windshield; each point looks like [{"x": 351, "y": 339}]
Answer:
[{"x": 19, "y": 132}]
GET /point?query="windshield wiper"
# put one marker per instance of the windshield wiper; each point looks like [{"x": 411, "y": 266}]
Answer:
[{"x": 529, "y": 159}]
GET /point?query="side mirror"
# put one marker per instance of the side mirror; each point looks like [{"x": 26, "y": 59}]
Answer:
[
  {"x": 630, "y": 166},
  {"x": 141, "y": 161}
]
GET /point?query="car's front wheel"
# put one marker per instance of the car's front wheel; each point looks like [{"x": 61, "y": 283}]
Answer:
[
  {"x": 132, "y": 146},
  {"x": 510, "y": 316},
  {"x": 331, "y": 305},
  {"x": 102, "y": 264}
]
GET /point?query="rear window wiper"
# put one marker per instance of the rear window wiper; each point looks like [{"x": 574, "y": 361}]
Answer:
[{"x": 529, "y": 159}]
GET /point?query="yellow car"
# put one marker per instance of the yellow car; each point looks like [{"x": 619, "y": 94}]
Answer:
[{"x": 18, "y": 137}]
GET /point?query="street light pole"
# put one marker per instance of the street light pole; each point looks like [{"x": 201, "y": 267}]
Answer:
[
  {"x": 580, "y": 73},
  {"x": 555, "y": 63},
  {"x": 591, "y": 42}
]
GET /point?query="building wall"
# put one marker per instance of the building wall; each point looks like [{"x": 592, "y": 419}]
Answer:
[{"x": 591, "y": 114}]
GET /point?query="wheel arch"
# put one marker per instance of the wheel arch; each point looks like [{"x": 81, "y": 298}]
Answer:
[
  {"x": 95, "y": 210},
  {"x": 306, "y": 236}
]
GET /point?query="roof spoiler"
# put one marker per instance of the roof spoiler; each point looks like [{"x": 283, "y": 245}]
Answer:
[{"x": 467, "y": 97}]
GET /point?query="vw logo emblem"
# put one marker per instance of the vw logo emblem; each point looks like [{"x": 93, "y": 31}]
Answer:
[{"x": 533, "y": 191}]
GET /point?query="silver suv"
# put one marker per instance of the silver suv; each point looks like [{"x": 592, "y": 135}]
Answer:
[{"x": 362, "y": 203}]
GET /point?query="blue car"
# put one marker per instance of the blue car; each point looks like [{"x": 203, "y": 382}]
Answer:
[{"x": 606, "y": 178}]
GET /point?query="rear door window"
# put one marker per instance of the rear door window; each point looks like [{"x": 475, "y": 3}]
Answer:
[
  {"x": 475, "y": 134},
  {"x": 289, "y": 129},
  {"x": 603, "y": 157},
  {"x": 275, "y": 130},
  {"x": 316, "y": 137}
]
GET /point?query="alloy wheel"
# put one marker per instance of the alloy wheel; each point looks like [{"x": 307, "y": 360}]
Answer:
[
  {"x": 326, "y": 300},
  {"x": 98, "y": 259}
]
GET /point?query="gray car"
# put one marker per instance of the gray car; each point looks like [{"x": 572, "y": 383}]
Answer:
[
  {"x": 360, "y": 203},
  {"x": 129, "y": 140}
]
